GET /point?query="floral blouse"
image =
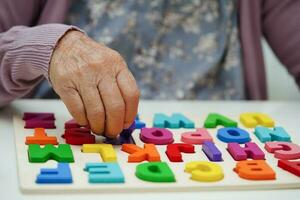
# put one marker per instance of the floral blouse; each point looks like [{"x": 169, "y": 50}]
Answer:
[{"x": 176, "y": 49}]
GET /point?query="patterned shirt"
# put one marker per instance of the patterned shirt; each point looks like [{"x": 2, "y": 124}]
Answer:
[{"x": 176, "y": 49}]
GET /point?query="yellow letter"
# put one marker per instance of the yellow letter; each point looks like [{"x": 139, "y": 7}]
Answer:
[
  {"x": 204, "y": 171},
  {"x": 106, "y": 151},
  {"x": 251, "y": 120}
]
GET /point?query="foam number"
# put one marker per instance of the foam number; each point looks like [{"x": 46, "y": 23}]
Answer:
[
  {"x": 233, "y": 135},
  {"x": 251, "y": 120},
  {"x": 174, "y": 151},
  {"x": 254, "y": 170},
  {"x": 277, "y": 134},
  {"x": 61, "y": 174},
  {"x": 177, "y": 120},
  {"x": 104, "y": 173},
  {"x": 214, "y": 119},
  {"x": 283, "y": 150},
  {"x": 155, "y": 172},
  {"x": 39, "y": 120},
  {"x": 158, "y": 136},
  {"x": 204, "y": 171},
  {"x": 40, "y": 137},
  {"x": 138, "y": 154},
  {"x": 62, "y": 153},
  {"x": 198, "y": 137},
  {"x": 106, "y": 151},
  {"x": 251, "y": 150}
]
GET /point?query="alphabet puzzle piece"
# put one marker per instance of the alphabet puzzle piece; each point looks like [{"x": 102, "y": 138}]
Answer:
[
  {"x": 39, "y": 120},
  {"x": 177, "y": 120},
  {"x": 211, "y": 151},
  {"x": 123, "y": 138},
  {"x": 104, "y": 173},
  {"x": 106, "y": 151},
  {"x": 38, "y": 154},
  {"x": 214, "y": 119},
  {"x": 267, "y": 135},
  {"x": 40, "y": 137},
  {"x": 251, "y": 120},
  {"x": 292, "y": 167},
  {"x": 204, "y": 171},
  {"x": 138, "y": 154},
  {"x": 138, "y": 123},
  {"x": 174, "y": 151},
  {"x": 283, "y": 150},
  {"x": 237, "y": 135},
  {"x": 158, "y": 136},
  {"x": 198, "y": 137},
  {"x": 62, "y": 174},
  {"x": 251, "y": 150},
  {"x": 155, "y": 172}
]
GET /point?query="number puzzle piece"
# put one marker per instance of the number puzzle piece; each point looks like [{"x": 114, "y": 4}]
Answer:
[
  {"x": 283, "y": 150},
  {"x": 139, "y": 124},
  {"x": 211, "y": 151},
  {"x": 158, "y": 136},
  {"x": 204, "y": 171},
  {"x": 254, "y": 170},
  {"x": 155, "y": 172},
  {"x": 39, "y": 120},
  {"x": 198, "y": 137},
  {"x": 104, "y": 173},
  {"x": 177, "y": 120},
  {"x": 62, "y": 174},
  {"x": 106, "y": 151},
  {"x": 40, "y": 137},
  {"x": 174, "y": 151},
  {"x": 292, "y": 167},
  {"x": 215, "y": 119},
  {"x": 233, "y": 135},
  {"x": 138, "y": 154},
  {"x": 38, "y": 154},
  {"x": 251, "y": 120},
  {"x": 251, "y": 150},
  {"x": 277, "y": 134}
]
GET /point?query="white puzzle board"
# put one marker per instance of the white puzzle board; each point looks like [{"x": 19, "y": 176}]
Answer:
[{"x": 195, "y": 111}]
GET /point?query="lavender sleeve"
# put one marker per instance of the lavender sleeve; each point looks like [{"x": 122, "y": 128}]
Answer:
[
  {"x": 280, "y": 26},
  {"x": 25, "y": 53}
]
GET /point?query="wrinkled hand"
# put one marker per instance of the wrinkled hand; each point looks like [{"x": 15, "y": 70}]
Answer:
[{"x": 94, "y": 83}]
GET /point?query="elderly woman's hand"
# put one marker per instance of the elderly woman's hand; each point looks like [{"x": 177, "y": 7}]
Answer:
[{"x": 94, "y": 83}]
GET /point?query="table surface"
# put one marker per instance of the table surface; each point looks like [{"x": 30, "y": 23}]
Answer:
[{"x": 9, "y": 188}]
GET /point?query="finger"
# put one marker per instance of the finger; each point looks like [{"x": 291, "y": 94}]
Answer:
[
  {"x": 114, "y": 106},
  {"x": 74, "y": 104},
  {"x": 94, "y": 108},
  {"x": 130, "y": 93}
]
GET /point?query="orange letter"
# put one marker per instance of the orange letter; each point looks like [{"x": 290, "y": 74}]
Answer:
[{"x": 138, "y": 154}]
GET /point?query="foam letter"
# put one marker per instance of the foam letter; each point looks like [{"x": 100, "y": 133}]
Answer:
[
  {"x": 138, "y": 154},
  {"x": 267, "y": 135},
  {"x": 156, "y": 136},
  {"x": 62, "y": 174},
  {"x": 204, "y": 171},
  {"x": 174, "y": 151},
  {"x": 139, "y": 124},
  {"x": 215, "y": 119},
  {"x": 155, "y": 172},
  {"x": 283, "y": 150},
  {"x": 62, "y": 153},
  {"x": 177, "y": 120},
  {"x": 104, "y": 173},
  {"x": 198, "y": 137},
  {"x": 251, "y": 120},
  {"x": 211, "y": 151},
  {"x": 254, "y": 170},
  {"x": 40, "y": 137},
  {"x": 292, "y": 167},
  {"x": 251, "y": 150},
  {"x": 39, "y": 120},
  {"x": 233, "y": 135},
  {"x": 106, "y": 151}
]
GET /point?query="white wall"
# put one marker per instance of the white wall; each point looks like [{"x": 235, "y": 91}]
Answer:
[{"x": 281, "y": 85}]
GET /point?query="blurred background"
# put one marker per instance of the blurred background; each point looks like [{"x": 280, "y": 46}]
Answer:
[{"x": 278, "y": 79}]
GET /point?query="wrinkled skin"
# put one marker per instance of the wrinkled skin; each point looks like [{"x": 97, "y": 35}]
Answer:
[{"x": 94, "y": 83}]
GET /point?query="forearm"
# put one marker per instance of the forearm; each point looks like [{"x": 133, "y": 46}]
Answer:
[{"x": 25, "y": 55}]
